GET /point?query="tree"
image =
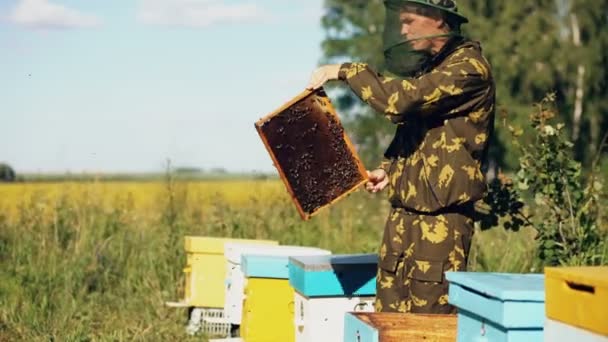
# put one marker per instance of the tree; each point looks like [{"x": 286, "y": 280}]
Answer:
[
  {"x": 586, "y": 24},
  {"x": 545, "y": 46},
  {"x": 354, "y": 33},
  {"x": 7, "y": 174},
  {"x": 535, "y": 47}
]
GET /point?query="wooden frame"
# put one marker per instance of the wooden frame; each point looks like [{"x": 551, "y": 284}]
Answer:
[
  {"x": 396, "y": 327},
  {"x": 327, "y": 106}
]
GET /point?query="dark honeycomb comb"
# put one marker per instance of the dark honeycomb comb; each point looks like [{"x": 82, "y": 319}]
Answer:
[{"x": 314, "y": 157}]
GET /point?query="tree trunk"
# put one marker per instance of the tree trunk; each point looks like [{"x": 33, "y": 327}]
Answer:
[{"x": 580, "y": 90}]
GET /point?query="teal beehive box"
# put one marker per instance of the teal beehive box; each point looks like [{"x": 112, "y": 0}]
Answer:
[
  {"x": 326, "y": 288},
  {"x": 334, "y": 275},
  {"x": 498, "y": 307}
]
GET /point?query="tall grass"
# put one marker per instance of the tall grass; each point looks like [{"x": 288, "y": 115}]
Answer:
[{"x": 84, "y": 263}]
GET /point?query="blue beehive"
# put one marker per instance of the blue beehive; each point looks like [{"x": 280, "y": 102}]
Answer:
[{"x": 497, "y": 307}]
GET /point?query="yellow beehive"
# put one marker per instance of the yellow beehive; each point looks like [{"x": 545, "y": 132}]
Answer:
[
  {"x": 205, "y": 270},
  {"x": 268, "y": 305},
  {"x": 268, "y": 311},
  {"x": 578, "y": 296}
]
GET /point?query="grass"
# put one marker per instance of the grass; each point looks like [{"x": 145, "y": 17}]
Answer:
[{"x": 95, "y": 261}]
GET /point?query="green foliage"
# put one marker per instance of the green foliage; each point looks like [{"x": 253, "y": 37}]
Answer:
[
  {"x": 501, "y": 206},
  {"x": 7, "y": 174},
  {"x": 563, "y": 206},
  {"x": 354, "y": 33},
  {"x": 566, "y": 205},
  {"x": 89, "y": 274}
]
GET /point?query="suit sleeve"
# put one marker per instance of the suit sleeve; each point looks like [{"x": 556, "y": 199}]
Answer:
[{"x": 452, "y": 87}]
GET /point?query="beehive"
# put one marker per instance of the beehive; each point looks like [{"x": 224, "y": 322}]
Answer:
[
  {"x": 395, "y": 327},
  {"x": 235, "y": 278},
  {"x": 314, "y": 157},
  {"x": 556, "y": 331},
  {"x": 498, "y": 307},
  {"x": 327, "y": 287},
  {"x": 268, "y": 309},
  {"x": 205, "y": 270},
  {"x": 578, "y": 296}
]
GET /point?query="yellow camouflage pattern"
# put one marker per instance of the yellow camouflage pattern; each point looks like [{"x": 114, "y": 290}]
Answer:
[
  {"x": 444, "y": 121},
  {"x": 413, "y": 280},
  {"x": 444, "y": 117}
]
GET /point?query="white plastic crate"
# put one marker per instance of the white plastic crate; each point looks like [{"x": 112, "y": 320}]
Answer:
[{"x": 208, "y": 321}]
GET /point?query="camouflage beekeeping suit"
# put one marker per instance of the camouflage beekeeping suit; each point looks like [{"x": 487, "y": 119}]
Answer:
[{"x": 444, "y": 118}]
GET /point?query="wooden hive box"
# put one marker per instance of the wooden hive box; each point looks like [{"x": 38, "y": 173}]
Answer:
[
  {"x": 395, "y": 327},
  {"x": 326, "y": 288},
  {"x": 315, "y": 159},
  {"x": 268, "y": 302},
  {"x": 235, "y": 277},
  {"x": 498, "y": 307},
  {"x": 577, "y": 303},
  {"x": 205, "y": 270}
]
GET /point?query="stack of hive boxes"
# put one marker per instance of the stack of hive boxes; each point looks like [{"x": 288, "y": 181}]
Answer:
[
  {"x": 204, "y": 274},
  {"x": 328, "y": 287},
  {"x": 292, "y": 293},
  {"x": 498, "y": 307},
  {"x": 258, "y": 294},
  {"x": 577, "y": 304},
  {"x": 492, "y": 307},
  {"x": 266, "y": 292}
]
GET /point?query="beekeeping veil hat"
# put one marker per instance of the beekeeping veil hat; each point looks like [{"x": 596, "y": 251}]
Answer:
[{"x": 400, "y": 57}]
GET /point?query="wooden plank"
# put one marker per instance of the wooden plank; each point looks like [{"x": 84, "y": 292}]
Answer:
[{"x": 394, "y": 327}]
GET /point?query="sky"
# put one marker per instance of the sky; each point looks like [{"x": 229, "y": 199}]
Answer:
[{"x": 125, "y": 85}]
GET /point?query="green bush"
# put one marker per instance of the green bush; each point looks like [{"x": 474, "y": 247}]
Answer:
[
  {"x": 552, "y": 195},
  {"x": 7, "y": 174}
]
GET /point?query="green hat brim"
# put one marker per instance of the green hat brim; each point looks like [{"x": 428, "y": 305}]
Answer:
[{"x": 461, "y": 18}]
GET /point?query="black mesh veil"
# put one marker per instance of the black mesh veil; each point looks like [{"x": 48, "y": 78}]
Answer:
[{"x": 400, "y": 57}]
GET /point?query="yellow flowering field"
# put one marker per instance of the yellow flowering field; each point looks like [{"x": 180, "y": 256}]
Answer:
[
  {"x": 145, "y": 198},
  {"x": 97, "y": 260}
]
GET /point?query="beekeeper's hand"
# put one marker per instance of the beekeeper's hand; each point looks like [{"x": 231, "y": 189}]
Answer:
[
  {"x": 322, "y": 75},
  {"x": 377, "y": 180}
]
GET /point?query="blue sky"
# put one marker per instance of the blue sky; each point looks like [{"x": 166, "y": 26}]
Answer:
[{"x": 124, "y": 85}]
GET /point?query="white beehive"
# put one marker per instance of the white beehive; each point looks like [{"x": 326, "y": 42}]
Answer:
[
  {"x": 327, "y": 287},
  {"x": 561, "y": 332},
  {"x": 322, "y": 318},
  {"x": 235, "y": 279}
]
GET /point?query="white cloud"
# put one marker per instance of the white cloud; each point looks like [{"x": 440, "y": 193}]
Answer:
[
  {"x": 197, "y": 13},
  {"x": 43, "y": 14}
]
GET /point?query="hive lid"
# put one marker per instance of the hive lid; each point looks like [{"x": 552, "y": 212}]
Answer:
[
  {"x": 314, "y": 157},
  {"x": 235, "y": 251},
  {"x": 268, "y": 266},
  {"x": 502, "y": 286},
  {"x": 330, "y": 262},
  {"x": 213, "y": 245}
]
